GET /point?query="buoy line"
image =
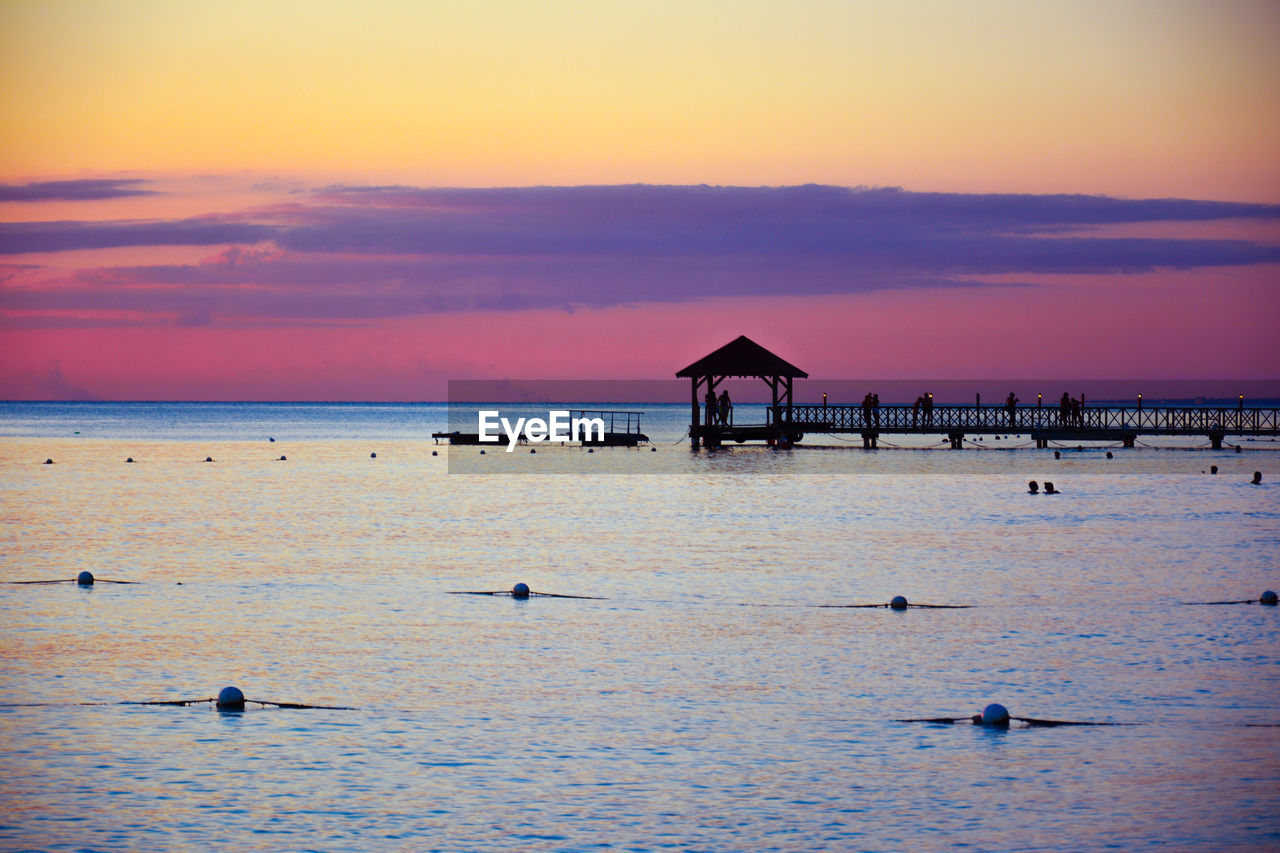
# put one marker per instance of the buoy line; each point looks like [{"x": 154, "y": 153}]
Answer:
[
  {"x": 899, "y": 602},
  {"x": 1267, "y": 599},
  {"x": 82, "y": 579},
  {"x": 228, "y": 699},
  {"x": 521, "y": 591},
  {"x": 997, "y": 716}
]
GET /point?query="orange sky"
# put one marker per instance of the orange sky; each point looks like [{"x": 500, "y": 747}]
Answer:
[{"x": 1138, "y": 99}]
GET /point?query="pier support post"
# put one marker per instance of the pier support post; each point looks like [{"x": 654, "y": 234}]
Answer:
[
  {"x": 1129, "y": 440},
  {"x": 1215, "y": 439},
  {"x": 957, "y": 440},
  {"x": 869, "y": 440}
]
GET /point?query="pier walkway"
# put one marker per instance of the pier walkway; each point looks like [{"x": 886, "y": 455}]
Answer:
[
  {"x": 1122, "y": 424},
  {"x": 712, "y": 424}
]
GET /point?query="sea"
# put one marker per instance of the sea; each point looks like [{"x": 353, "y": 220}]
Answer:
[{"x": 712, "y": 687}]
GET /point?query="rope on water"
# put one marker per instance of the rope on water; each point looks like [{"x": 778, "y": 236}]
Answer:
[
  {"x": 891, "y": 606},
  {"x": 1242, "y": 601},
  {"x": 529, "y": 594},
  {"x": 291, "y": 706},
  {"x": 73, "y": 580},
  {"x": 976, "y": 719}
]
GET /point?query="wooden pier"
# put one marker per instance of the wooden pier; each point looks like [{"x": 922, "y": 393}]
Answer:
[
  {"x": 1122, "y": 424},
  {"x": 788, "y": 422}
]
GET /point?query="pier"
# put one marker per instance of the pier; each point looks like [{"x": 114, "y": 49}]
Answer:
[
  {"x": 788, "y": 423},
  {"x": 1123, "y": 424}
]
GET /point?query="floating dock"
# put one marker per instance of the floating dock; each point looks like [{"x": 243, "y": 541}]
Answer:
[{"x": 621, "y": 429}]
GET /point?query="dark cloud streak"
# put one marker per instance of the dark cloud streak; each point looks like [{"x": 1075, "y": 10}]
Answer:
[{"x": 89, "y": 189}]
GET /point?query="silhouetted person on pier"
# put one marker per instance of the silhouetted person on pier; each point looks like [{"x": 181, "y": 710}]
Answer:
[
  {"x": 928, "y": 409},
  {"x": 710, "y": 400},
  {"x": 875, "y": 408},
  {"x": 915, "y": 411},
  {"x": 866, "y": 409},
  {"x": 726, "y": 407},
  {"x": 1012, "y": 405},
  {"x": 1064, "y": 409}
]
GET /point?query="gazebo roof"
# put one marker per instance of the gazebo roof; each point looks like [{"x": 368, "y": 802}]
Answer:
[{"x": 741, "y": 357}]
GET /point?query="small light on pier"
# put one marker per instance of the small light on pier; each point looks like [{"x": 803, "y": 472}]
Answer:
[
  {"x": 1139, "y": 401},
  {"x": 1240, "y": 405}
]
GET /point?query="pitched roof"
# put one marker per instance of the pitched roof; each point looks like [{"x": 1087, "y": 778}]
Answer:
[{"x": 741, "y": 357}]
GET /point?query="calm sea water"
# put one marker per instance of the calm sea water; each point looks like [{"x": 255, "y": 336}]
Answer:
[{"x": 705, "y": 703}]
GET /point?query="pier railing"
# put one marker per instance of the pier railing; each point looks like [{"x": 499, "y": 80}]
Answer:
[
  {"x": 1150, "y": 420},
  {"x": 615, "y": 421}
]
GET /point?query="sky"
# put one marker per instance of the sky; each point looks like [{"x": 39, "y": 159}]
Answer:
[{"x": 361, "y": 201}]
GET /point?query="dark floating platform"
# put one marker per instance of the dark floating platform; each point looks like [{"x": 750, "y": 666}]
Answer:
[{"x": 611, "y": 439}]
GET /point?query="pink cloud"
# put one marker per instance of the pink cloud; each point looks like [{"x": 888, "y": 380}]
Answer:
[{"x": 1185, "y": 326}]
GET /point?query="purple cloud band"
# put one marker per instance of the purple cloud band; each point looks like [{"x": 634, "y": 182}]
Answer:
[{"x": 363, "y": 252}]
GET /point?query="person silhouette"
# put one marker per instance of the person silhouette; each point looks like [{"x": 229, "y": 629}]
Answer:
[
  {"x": 710, "y": 400},
  {"x": 726, "y": 407},
  {"x": 1011, "y": 403}
]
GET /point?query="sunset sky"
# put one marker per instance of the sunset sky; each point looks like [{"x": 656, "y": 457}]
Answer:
[{"x": 359, "y": 201}]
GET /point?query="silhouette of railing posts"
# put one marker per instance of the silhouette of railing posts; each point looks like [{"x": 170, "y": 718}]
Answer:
[{"x": 1088, "y": 423}]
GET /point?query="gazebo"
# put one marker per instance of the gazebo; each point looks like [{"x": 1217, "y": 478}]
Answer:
[{"x": 744, "y": 358}]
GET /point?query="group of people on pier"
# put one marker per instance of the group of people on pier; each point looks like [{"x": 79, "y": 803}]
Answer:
[
  {"x": 719, "y": 409},
  {"x": 922, "y": 405},
  {"x": 1070, "y": 411}
]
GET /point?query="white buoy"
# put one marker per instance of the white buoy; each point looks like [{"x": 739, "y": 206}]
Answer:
[
  {"x": 520, "y": 590},
  {"x": 995, "y": 715},
  {"x": 86, "y": 579},
  {"x": 1268, "y": 598},
  {"x": 899, "y": 602},
  {"x": 230, "y": 699}
]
